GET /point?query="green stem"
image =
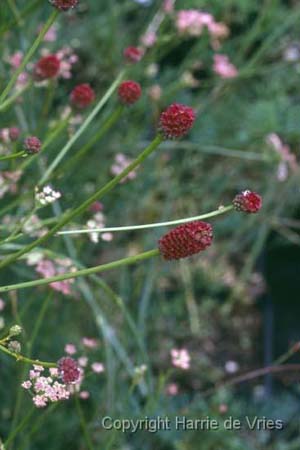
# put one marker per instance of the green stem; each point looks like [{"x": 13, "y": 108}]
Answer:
[
  {"x": 10, "y": 100},
  {"x": 218, "y": 212},
  {"x": 28, "y": 56},
  {"x": 83, "y": 424},
  {"x": 96, "y": 196},
  {"x": 26, "y": 360},
  {"x": 79, "y": 273},
  {"x": 110, "y": 121},
  {"x": 19, "y": 427},
  {"x": 83, "y": 127},
  {"x": 12, "y": 156}
]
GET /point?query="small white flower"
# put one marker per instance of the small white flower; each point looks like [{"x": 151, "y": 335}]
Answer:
[{"x": 46, "y": 196}]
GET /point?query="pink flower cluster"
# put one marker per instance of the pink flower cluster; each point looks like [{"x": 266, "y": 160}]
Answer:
[
  {"x": 223, "y": 67},
  {"x": 193, "y": 22},
  {"x": 288, "y": 162},
  {"x": 45, "y": 389},
  {"x": 48, "y": 268},
  {"x": 181, "y": 358},
  {"x": 98, "y": 221},
  {"x": 120, "y": 163},
  {"x": 8, "y": 182}
]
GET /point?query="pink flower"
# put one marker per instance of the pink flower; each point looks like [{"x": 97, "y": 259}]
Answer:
[
  {"x": 192, "y": 21},
  {"x": 70, "y": 349},
  {"x": 172, "y": 389},
  {"x": 26, "y": 384},
  {"x": 149, "y": 39},
  {"x": 288, "y": 162},
  {"x": 47, "y": 268},
  {"x": 97, "y": 367},
  {"x": 16, "y": 59},
  {"x": 168, "y": 6},
  {"x": 89, "y": 342},
  {"x": 82, "y": 361},
  {"x": 180, "y": 358},
  {"x": 84, "y": 395},
  {"x": 223, "y": 67}
]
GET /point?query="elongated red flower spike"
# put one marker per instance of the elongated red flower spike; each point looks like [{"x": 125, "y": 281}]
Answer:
[
  {"x": 32, "y": 145},
  {"x": 133, "y": 54},
  {"x": 247, "y": 201},
  {"x": 129, "y": 92},
  {"x": 47, "y": 67},
  {"x": 176, "y": 121},
  {"x": 64, "y": 5},
  {"x": 69, "y": 370},
  {"x": 82, "y": 96},
  {"x": 186, "y": 240}
]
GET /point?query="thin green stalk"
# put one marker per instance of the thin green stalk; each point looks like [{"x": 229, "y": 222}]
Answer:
[
  {"x": 110, "y": 121},
  {"x": 83, "y": 424},
  {"x": 12, "y": 156},
  {"x": 15, "y": 11},
  {"x": 26, "y": 360},
  {"x": 83, "y": 127},
  {"x": 19, "y": 427},
  {"x": 77, "y": 211},
  {"x": 28, "y": 56},
  {"x": 80, "y": 273},
  {"x": 10, "y": 100},
  {"x": 218, "y": 212}
]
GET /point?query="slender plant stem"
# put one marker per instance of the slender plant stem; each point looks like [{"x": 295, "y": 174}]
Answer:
[
  {"x": 10, "y": 100},
  {"x": 19, "y": 427},
  {"x": 80, "y": 273},
  {"x": 83, "y": 127},
  {"x": 83, "y": 424},
  {"x": 218, "y": 212},
  {"x": 28, "y": 56},
  {"x": 12, "y": 156},
  {"x": 96, "y": 196},
  {"x": 110, "y": 121},
  {"x": 26, "y": 360}
]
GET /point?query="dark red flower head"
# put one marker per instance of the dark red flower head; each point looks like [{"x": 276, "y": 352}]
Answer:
[
  {"x": 129, "y": 92},
  {"x": 186, "y": 240},
  {"x": 82, "y": 96},
  {"x": 32, "y": 145},
  {"x": 14, "y": 133},
  {"x": 176, "y": 121},
  {"x": 69, "y": 370},
  {"x": 47, "y": 67},
  {"x": 247, "y": 201},
  {"x": 64, "y": 5},
  {"x": 133, "y": 54}
]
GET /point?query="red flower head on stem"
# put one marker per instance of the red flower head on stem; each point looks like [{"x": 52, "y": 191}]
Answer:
[
  {"x": 69, "y": 370},
  {"x": 176, "y": 121},
  {"x": 186, "y": 240},
  {"x": 133, "y": 54},
  {"x": 14, "y": 133},
  {"x": 64, "y": 5},
  {"x": 247, "y": 201},
  {"x": 47, "y": 67},
  {"x": 82, "y": 96},
  {"x": 129, "y": 92},
  {"x": 32, "y": 145}
]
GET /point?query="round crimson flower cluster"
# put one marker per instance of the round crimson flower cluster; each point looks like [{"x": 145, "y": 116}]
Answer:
[
  {"x": 176, "y": 121},
  {"x": 64, "y": 5},
  {"x": 14, "y": 133},
  {"x": 47, "y": 67},
  {"x": 186, "y": 240},
  {"x": 32, "y": 145},
  {"x": 129, "y": 92},
  {"x": 247, "y": 201},
  {"x": 133, "y": 54},
  {"x": 82, "y": 96},
  {"x": 69, "y": 370}
]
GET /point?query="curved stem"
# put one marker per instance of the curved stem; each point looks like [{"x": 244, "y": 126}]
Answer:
[
  {"x": 28, "y": 56},
  {"x": 218, "y": 212},
  {"x": 96, "y": 196},
  {"x": 83, "y": 424},
  {"x": 12, "y": 156},
  {"x": 26, "y": 360},
  {"x": 80, "y": 273},
  {"x": 83, "y": 127}
]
